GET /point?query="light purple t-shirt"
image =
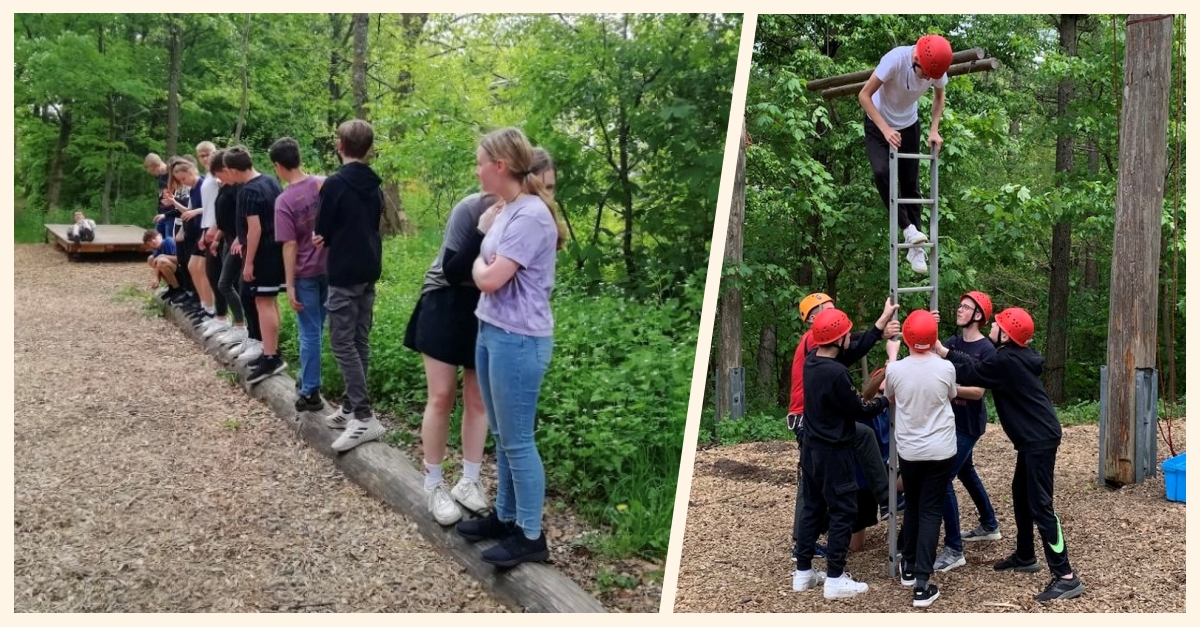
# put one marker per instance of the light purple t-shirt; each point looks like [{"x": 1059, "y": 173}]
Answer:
[
  {"x": 295, "y": 219},
  {"x": 525, "y": 232}
]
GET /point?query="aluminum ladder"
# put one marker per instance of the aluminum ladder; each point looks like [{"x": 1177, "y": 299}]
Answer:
[{"x": 896, "y": 291}]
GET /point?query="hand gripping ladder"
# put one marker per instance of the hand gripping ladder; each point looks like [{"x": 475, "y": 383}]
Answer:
[{"x": 895, "y": 290}]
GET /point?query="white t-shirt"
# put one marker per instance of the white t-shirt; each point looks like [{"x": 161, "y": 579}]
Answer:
[
  {"x": 922, "y": 387},
  {"x": 208, "y": 199},
  {"x": 897, "y": 98}
]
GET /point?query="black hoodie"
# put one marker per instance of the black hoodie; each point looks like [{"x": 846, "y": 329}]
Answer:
[
  {"x": 351, "y": 205},
  {"x": 831, "y": 403},
  {"x": 1012, "y": 374}
]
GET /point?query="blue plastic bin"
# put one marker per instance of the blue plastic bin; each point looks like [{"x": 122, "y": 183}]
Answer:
[{"x": 1175, "y": 470}]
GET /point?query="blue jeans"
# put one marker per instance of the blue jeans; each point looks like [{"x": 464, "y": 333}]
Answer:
[
  {"x": 964, "y": 469},
  {"x": 510, "y": 367},
  {"x": 312, "y": 293}
]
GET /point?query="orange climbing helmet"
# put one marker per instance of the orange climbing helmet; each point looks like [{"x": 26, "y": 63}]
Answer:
[
  {"x": 811, "y": 302},
  {"x": 919, "y": 331},
  {"x": 830, "y": 326},
  {"x": 934, "y": 54},
  {"x": 983, "y": 302},
  {"x": 1017, "y": 323}
]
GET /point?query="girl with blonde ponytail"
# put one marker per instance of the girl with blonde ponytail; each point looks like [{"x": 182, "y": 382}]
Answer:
[{"x": 515, "y": 274}]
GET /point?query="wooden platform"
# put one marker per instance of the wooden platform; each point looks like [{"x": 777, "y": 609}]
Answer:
[{"x": 110, "y": 238}]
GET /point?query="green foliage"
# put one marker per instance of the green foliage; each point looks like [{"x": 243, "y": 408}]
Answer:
[{"x": 754, "y": 427}]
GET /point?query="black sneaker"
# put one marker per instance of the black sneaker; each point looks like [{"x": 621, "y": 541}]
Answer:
[
  {"x": 1060, "y": 588},
  {"x": 489, "y": 527},
  {"x": 907, "y": 578},
  {"x": 516, "y": 549},
  {"x": 924, "y": 597},
  {"x": 265, "y": 367},
  {"x": 312, "y": 402},
  {"x": 1012, "y": 562}
]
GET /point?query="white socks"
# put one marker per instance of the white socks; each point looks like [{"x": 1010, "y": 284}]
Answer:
[
  {"x": 471, "y": 470},
  {"x": 433, "y": 475}
]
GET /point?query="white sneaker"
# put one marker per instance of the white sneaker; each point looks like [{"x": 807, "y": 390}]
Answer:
[
  {"x": 445, "y": 511},
  {"x": 357, "y": 432},
  {"x": 916, "y": 258},
  {"x": 339, "y": 418},
  {"x": 232, "y": 335},
  {"x": 253, "y": 350},
  {"x": 843, "y": 587},
  {"x": 470, "y": 495},
  {"x": 212, "y": 326},
  {"x": 806, "y": 579},
  {"x": 913, "y": 236}
]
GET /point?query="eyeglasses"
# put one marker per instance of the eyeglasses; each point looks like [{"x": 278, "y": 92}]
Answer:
[{"x": 965, "y": 307}]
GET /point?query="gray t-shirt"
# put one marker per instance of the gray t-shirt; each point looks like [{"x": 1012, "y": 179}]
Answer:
[
  {"x": 525, "y": 232},
  {"x": 922, "y": 387},
  {"x": 460, "y": 228}
]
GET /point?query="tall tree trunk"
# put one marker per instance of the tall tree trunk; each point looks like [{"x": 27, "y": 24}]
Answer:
[
  {"x": 338, "y": 34},
  {"x": 174, "y": 69},
  {"x": 626, "y": 195},
  {"x": 1060, "y": 245},
  {"x": 110, "y": 165},
  {"x": 54, "y": 184},
  {"x": 1137, "y": 236},
  {"x": 767, "y": 348},
  {"x": 1091, "y": 271},
  {"x": 395, "y": 219},
  {"x": 730, "y": 302},
  {"x": 245, "y": 106},
  {"x": 358, "y": 73}
]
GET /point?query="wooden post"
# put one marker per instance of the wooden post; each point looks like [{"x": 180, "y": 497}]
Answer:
[
  {"x": 986, "y": 65},
  {"x": 820, "y": 84},
  {"x": 730, "y": 306},
  {"x": 1137, "y": 234}
]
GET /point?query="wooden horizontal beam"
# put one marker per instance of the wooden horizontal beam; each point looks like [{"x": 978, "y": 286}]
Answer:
[
  {"x": 962, "y": 56},
  {"x": 986, "y": 65},
  {"x": 389, "y": 475}
]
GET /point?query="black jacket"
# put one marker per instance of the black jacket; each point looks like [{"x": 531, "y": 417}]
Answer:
[
  {"x": 351, "y": 205},
  {"x": 832, "y": 404},
  {"x": 1012, "y": 374}
]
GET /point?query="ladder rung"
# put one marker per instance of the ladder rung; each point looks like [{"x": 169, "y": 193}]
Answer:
[
  {"x": 914, "y": 290},
  {"x": 915, "y": 201},
  {"x": 913, "y": 155},
  {"x": 923, "y": 245}
]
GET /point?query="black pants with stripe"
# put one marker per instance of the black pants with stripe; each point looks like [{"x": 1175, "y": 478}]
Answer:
[{"x": 1033, "y": 504}]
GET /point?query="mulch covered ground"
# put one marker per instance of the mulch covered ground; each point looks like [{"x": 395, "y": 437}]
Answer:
[{"x": 1128, "y": 545}]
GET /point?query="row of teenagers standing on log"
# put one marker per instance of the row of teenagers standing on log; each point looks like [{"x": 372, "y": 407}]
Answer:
[{"x": 485, "y": 308}]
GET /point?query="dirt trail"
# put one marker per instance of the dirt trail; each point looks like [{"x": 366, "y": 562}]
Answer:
[{"x": 145, "y": 483}]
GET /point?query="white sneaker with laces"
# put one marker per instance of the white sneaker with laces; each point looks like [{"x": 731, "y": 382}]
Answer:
[
  {"x": 232, "y": 335},
  {"x": 916, "y": 258},
  {"x": 806, "y": 579},
  {"x": 358, "y": 432},
  {"x": 445, "y": 511},
  {"x": 913, "y": 236},
  {"x": 470, "y": 495},
  {"x": 339, "y": 418},
  {"x": 843, "y": 587},
  {"x": 253, "y": 350},
  {"x": 213, "y": 326}
]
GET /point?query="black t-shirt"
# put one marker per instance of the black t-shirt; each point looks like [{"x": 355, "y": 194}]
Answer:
[
  {"x": 226, "y": 207},
  {"x": 257, "y": 198},
  {"x": 970, "y": 417}
]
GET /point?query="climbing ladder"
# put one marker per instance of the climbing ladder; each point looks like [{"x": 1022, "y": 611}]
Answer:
[{"x": 896, "y": 291}]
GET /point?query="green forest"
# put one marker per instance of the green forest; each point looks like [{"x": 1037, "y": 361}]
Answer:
[
  {"x": 1027, "y": 180},
  {"x": 633, "y": 107}
]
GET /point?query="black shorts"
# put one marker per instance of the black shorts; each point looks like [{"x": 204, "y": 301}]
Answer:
[
  {"x": 443, "y": 325},
  {"x": 868, "y": 511},
  {"x": 269, "y": 277}
]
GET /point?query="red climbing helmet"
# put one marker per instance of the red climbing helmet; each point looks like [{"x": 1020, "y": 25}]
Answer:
[
  {"x": 919, "y": 331},
  {"x": 830, "y": 326},
  {"x": 983, "y": 302},
  {"x": 1017, "y": 323},
  {"x": 934, "y": 54}
]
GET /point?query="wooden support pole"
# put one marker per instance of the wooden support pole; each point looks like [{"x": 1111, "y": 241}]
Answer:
[
  {"x": 388, "y": 475},
  {"x": 962, "y": 56},
  {"x": 1137, "y": 236},
  {"x": 985, "y": 65}
]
